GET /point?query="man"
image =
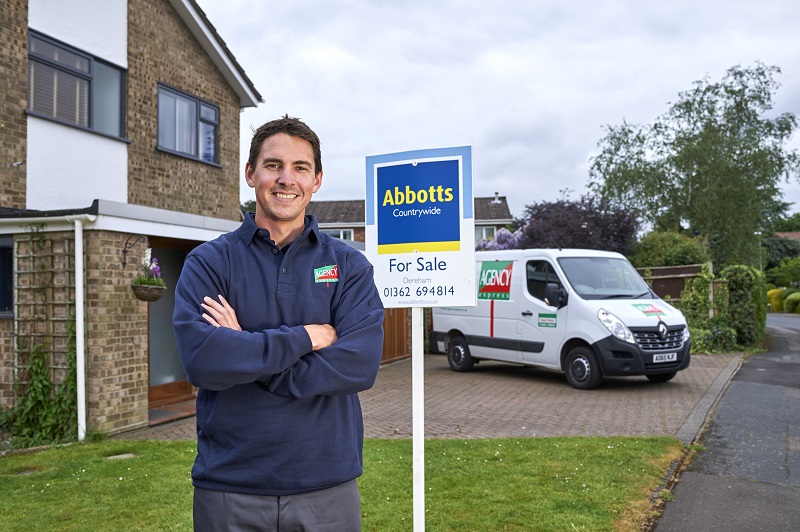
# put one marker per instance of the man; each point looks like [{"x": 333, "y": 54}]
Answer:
[{"x": 279, "y": 326}]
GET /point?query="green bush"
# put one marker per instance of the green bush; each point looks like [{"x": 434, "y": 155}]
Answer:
[
  {"x": 789, "y": 291},
  {"x": 668, "y": 248},
  {"x": 775, "y": 297},
  {"x": 790, "y": 304},
  {"x": 747, "y": 303},
  {"x": 715, "y": 337},
  {"x": 709, "y": 335}
]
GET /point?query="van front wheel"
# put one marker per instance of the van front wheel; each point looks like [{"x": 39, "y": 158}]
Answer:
[
  {"x": 582, "y": 369},
  {"x": 458, "y": 355}
]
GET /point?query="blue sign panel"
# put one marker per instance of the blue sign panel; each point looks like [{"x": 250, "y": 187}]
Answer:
[{"x": 418, "y": 207}]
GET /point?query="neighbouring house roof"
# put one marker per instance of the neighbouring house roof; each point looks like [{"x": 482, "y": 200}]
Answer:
[
  {"x": 791, "y": 235},
  {"x": 350, "y": 213},
  {"x": 205, "y": 33},
  {"x": 492, "y": 210}
]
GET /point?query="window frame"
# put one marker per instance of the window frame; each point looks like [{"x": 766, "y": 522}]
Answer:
[
  {"x": 88, "y": 76},
  {"x": 482, "y": 230},
  {"x": 341, "y": 233},
  {"x": 199, "y": 121}
]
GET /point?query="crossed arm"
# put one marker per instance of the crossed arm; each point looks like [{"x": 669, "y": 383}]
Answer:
[{"x": 221, "y": 314}]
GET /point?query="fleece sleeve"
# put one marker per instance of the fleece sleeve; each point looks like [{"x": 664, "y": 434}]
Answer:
[
  {"x": 350, "y": 365},
  {"x": 217, "y": 358}
]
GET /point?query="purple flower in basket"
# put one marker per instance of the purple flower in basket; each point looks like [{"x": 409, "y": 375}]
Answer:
[{"x": 150, "y": 272}]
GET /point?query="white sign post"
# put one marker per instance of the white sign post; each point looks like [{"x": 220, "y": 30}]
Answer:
[{"x": 420, "y": 239}]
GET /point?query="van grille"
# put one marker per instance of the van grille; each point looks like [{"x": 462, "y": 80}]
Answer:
[{"x": 649, "y": 340}]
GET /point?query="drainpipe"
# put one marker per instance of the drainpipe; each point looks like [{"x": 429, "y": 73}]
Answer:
[{"x": 80, "y": 321}]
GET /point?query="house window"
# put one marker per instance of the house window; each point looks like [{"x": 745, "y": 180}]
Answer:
[
  {"x": 484, "y": 232},
  {"x": 341, "y": 234},
  {"x": 74, "y": 88},
  {"x": 6, "y": 277},
  {"x": 187, "y": 125}
]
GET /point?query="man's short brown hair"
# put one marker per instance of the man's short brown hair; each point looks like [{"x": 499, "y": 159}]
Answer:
[{"x": 290, "y": 126}]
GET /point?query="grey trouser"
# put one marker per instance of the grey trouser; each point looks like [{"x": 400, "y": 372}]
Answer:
[{"x": 336, "y": 509}]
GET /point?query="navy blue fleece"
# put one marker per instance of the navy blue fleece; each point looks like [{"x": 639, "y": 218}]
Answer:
[{"x": 273, "y": 416}]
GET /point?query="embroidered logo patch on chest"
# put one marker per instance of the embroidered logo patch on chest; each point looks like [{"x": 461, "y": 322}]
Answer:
[{"x": 327, "y": 274}]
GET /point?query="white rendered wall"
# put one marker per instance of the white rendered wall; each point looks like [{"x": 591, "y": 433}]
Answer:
[
  {"x": 67, "y": 167},
  {"x": 99, "y": 27}
]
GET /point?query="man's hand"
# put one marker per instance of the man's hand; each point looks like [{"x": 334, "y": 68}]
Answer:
[
  {"x": 220, "y": 314},
  {"x": 321, "y": 335}
]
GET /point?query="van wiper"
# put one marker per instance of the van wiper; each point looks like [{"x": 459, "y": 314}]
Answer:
[{"x": 627, "y": 296}]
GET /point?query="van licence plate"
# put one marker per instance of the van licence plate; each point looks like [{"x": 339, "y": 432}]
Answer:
[{"x": 665, "y": 357}]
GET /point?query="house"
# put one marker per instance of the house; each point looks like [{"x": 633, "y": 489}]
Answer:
[
  {"x": 120, "y": 132},
  {"x": 345, "y": 218}
]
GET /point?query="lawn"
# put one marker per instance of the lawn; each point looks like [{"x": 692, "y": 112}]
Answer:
[{"x": 477, "y": 484}]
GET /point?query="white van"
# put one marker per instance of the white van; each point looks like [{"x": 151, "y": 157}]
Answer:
[{"x": 584, "y": 312}]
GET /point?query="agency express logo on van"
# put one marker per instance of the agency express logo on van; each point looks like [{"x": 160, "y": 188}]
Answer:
[{"x": 495, "y": 280}]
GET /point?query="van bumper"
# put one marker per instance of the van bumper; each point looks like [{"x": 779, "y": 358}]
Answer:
[{"x": 619, "y": 358}]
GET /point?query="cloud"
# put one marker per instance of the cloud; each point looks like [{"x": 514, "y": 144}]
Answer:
[{"x": 528, "y": 84}]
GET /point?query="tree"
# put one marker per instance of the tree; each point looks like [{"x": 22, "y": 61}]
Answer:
[
  {"x": 785, "y": 274},
  {"x": 775, "y": 249},
  {"x": 712, "y": 164},
  {"x": 588, "y": 223},
  {"x": 787, "y": 224},
  {"x": 668, "y": 248},
  {"x": 503, "y": 239}
]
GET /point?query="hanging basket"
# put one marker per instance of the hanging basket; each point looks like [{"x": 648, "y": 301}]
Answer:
[{"x": 146, "y": 292}]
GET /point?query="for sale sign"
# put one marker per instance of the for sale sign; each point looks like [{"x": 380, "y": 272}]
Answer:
[
  {"x": 495, "y": 280},
  {"x": 420, "y": 227}
]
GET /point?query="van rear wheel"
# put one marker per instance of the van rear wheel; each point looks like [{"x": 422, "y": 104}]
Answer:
[
  {"x": 458, "y": 355},
  {"x": 582, "y": 369}
]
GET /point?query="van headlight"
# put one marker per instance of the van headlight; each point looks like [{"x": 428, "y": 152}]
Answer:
[
  {"x": 686, "y": 334},
  {"x": 615, "y": 326}
]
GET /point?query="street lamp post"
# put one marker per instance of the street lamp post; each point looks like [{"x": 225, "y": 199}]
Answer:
[{"x": 758, "y": 234}]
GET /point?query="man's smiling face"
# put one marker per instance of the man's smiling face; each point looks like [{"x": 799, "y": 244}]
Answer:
[{"x": 284, "y": 180}]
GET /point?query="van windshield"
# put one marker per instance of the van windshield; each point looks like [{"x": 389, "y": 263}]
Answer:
[{"x": 604, "y": 278}]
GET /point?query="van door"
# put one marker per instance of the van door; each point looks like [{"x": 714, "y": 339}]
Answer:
[{"x": 543, "y": 326}]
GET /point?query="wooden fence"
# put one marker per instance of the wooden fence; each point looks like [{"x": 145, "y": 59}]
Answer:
[{"x": 668, "y": 281}]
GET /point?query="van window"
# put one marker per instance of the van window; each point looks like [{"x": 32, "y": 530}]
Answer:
[
  {"x": 539, "y": 273},
  {"x": 604, "y": 278}
]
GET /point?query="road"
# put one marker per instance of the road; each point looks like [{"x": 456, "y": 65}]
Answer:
[{"x": 748, "y": 478}]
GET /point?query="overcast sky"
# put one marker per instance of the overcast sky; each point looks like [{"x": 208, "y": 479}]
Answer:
[{"x": 529, "y": 84}]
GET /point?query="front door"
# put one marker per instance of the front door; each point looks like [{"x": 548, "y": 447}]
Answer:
[{"x": 168, "y": 384}]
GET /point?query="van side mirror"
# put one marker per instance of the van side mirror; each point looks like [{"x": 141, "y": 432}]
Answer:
[{"x": 555, "y": 296}]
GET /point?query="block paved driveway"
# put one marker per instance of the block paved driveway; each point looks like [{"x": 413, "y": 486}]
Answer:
[{"x": 503, "y": 400}]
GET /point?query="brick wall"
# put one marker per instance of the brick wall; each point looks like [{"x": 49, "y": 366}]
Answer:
[
  {"x": 44, "y": 306},
  {"x": 13, "y": 95},
  {"x": 166, "y": 52},
  {"x": 117, "y": 350},
  {"x": 6, "y": 364}
]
